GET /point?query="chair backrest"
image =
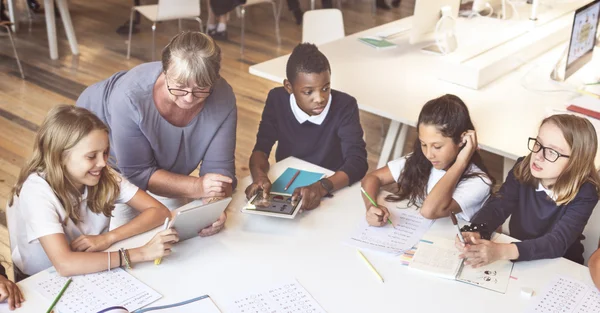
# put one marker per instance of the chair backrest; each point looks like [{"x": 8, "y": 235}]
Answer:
[
  {"x": 322, "y": 26},
  {"x": 176, "y": 9},
  {"x": 592, "y": 234}
]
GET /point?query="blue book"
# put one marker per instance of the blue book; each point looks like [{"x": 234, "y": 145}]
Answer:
[{"x": 305, "y": 178}]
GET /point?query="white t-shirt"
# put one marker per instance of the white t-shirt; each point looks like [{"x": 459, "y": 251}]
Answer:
[
  {"x": 470, "y": 194},
  {"x": 37, "y": 212}
]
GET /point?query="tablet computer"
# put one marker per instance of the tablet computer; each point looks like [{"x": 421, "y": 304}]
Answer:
[
  {"x": 276, "y": 204},
  {"x": 195, "y": 216}
]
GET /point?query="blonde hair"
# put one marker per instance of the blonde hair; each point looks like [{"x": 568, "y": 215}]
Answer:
[
  {"x": 192, "y": 56},
  {"x": 581, "y": 137},
  {"x": 63, "y": 128}
]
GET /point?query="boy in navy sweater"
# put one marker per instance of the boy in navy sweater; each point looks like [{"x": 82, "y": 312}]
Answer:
[{"x": 313, "y": 123}]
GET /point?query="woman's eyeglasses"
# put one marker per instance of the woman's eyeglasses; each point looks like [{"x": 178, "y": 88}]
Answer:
[{"x": 182, "y": 93}]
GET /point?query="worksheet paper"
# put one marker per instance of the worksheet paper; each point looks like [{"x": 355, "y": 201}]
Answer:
[
  {"x": 287, "y": 297},
  {"x": 91, "y": 293},
  {"x": 407, "y": 229},
  {"x": 566, "y": 295}
]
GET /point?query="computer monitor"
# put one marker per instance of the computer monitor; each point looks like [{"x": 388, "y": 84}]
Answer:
[
  {"x": 583, "y": 37},
  {"x": 427, "y": 14}
]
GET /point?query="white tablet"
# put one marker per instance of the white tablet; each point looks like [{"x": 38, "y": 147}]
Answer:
[
  {"x": 195, "y": 216},
  {"x": 277, "y": 205}
]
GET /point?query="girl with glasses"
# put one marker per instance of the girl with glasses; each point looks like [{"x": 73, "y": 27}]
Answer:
[{"x": 549, "y": 194}]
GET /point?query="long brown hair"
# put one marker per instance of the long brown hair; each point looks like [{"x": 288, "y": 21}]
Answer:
[
  {"x": 450, "y": 116},
  {"x": 63, "y": 128},
  {"x": 581, "y": 137}
]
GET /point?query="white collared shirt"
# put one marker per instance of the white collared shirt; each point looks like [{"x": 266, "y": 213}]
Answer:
[
  {"x": 548, "y": 192},
  {"x": 302, "y": 117}
]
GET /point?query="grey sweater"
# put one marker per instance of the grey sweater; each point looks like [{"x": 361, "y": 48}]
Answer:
[{"x": 142, "y": 141}]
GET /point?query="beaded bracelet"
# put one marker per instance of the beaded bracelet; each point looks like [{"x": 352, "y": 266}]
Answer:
[
  {"x": 126, "y": 258},
  {"x": 482, "y": 229}
]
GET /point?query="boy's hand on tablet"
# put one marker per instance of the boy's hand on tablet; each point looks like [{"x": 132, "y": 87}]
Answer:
[
  {"x": 10, "y": 292},
  {"x": 92, "y": 243},
  {"x": 160, "y": 245},
  {"x": 377, "y": 216},
  {"x": 260, "y": 183},
  {"x": 215, "y": 227},
  {"x": 311, "y": 196}
]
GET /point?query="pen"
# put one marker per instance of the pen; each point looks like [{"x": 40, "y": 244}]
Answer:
[
  {"x": 165, "y": 226},
  {"x": 64, "y": 288},
  {"x": 370, "y": 265},
  {"x": 292, "y": 180},
  {"x": 455, "y": 222},
  {"x": 372, "y": 201}
]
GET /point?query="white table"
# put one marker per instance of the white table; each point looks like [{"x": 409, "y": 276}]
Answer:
[
  {"x": 396, "y": 83},
  {"x": 63, "y": 8},
  {"x": 253, "y": 250}
]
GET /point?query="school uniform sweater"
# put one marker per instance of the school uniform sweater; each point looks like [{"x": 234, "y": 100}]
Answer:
[
  {"x": 546, "y": 230},
  {"x": 337, "y": 144}
]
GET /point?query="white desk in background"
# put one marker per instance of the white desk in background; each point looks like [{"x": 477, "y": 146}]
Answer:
[
  {"x": 63, "y": 8},
  {"x": 253, "y": 250},
  {"x": 396, "y": 83}
]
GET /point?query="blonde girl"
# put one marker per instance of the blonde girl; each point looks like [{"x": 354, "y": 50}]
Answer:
[{"x": 60, "y": 208}]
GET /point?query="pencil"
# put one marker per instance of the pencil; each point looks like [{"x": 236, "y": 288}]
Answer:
[
  {"x": 165, "y": 226},
  {"x": 455, "y": 222},
  {"x": 373, "y": 202},
  {"x": 291, "y": 180},
  {"x": 64, "y": 288},
  {"x": 370, "y": 265}
]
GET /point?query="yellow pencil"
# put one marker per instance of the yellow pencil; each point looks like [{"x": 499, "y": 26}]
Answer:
[
  {"x": 370, "y": 265},
  {"x": 166, "y": 225}
]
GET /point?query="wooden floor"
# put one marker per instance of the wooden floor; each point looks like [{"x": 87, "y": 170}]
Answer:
[{"x": 24, "y": 103}]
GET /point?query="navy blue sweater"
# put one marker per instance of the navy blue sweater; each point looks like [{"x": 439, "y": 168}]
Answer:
[
  {"x": 337, "y": 144},
  {"x": 546, "y": 230}
]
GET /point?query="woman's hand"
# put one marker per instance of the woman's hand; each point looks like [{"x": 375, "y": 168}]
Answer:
[
  {"x": 160, "y": 245},
  {"x": 213, "y": 185},
  {"x": 377, "y": 215},
  {"x": 10, "y": 291},
  {"x": 215, "y": 227},
  {"x": 92, "y": 243}
]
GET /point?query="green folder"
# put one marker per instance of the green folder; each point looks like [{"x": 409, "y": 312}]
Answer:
[{"x": 377, "y": 43}]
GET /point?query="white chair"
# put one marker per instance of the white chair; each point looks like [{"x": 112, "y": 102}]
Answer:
[
  {"x": 276, "y": 15},
  {"x": 339, "y": 4},
  {"x": 592, "y": 234},
  {"x": 8, "y": 25},
  {"x": 322, "y": 26},
  {"x": 165, "y": 10}
]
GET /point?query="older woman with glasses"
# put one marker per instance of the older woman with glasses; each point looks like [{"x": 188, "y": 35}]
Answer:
[{"x": 166, "y": 119}]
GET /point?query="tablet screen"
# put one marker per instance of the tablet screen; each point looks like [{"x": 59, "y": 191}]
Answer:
[
  {"x": 583, "y": 35},
  {"x": 274, "y": 203}
]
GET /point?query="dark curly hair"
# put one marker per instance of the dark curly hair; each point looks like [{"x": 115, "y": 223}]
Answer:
[{"x": 306, "y": 58}]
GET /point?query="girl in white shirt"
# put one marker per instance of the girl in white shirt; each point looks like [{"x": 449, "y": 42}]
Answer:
[
  {"x": 443, "y": 174},
  {"x": 60, "y": 208}
]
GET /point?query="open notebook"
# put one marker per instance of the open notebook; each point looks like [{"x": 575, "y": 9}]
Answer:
[{"x": 439, "y": 256}]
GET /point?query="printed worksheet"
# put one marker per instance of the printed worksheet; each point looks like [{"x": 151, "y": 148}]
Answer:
[
  {"x": 407, "y": 229},
  {"x": 91, "y": 293},
  {"x": 288, "y": 297},
  {"x": 566, "y": 295}
]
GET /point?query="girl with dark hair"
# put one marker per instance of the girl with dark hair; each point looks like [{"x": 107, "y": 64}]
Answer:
[{"x": 445, "y": 172}]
